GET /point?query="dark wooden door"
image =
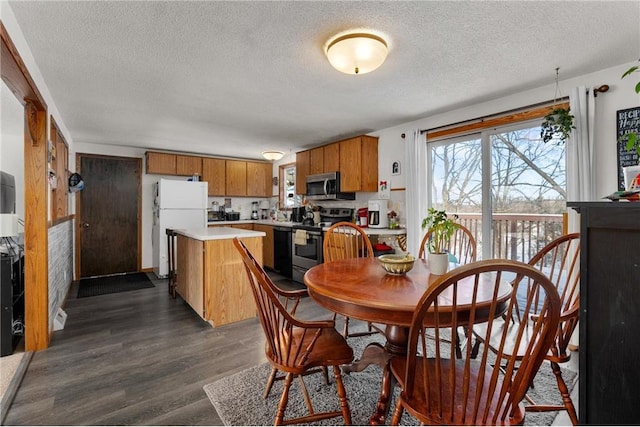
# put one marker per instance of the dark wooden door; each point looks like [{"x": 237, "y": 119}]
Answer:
[{"x": 109, "y": 209}]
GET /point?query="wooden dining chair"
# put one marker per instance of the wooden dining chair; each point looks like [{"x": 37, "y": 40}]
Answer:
[
  {"x": 440, "y": 389},
  {"x": 345, "y": 240},
  {"x": 462, "y": 245},
  {"x": 559, "y": 261},
  {"x": 294, "y": 346}
]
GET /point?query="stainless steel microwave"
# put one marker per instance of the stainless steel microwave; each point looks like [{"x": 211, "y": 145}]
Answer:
[{"x": 326, "y": 186}]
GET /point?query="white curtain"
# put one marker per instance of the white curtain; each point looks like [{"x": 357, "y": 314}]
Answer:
[
  {"x": 416, "y": 193},
  {"x": 581, "y": 177}
]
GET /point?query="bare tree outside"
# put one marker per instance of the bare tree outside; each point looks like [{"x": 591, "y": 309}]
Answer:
[{"x": 527, "y": 187}]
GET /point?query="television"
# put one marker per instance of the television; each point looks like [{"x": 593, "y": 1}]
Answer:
[{"x": 7, "y": 193}]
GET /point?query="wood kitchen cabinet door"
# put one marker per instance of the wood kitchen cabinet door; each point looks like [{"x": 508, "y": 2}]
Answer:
[
  {"x": 316, "y": 161},
  {"x": 236, "y": 172},
  {"x": 359, "y": 164},
  {"x": 259, "y": 179},
  {"x": 161, "y": 163},
  {"x": 267, "y": 244},
  {"x": 350, "y": 165},
  {"x": 369, "y": 150},
  {"x": 188, "y": 165},
  {"x": 302, "y": 170},
  {"x": 214, "y": 173},
  {"x": 332, "y": 157}
]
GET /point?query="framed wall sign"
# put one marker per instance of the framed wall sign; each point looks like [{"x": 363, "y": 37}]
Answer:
[
  {"x": 626, "y": 121},
  {"x": 395, "y": 168}
]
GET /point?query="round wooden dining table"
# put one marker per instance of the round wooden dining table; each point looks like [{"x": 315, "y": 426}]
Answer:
[{"x": 360, "y": 288}]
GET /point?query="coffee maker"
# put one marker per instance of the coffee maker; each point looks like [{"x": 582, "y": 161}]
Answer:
[
  {"x": 254, "y": 210},
  {"x": 378, "y": 214}
]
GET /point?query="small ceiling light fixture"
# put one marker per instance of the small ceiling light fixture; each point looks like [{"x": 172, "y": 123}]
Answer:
[
  {"x": 356, "y": 52},
  {"x": 272, "y": 155}
]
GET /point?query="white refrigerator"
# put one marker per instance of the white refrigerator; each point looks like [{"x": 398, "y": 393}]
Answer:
[{"x": 176, "y": 204}]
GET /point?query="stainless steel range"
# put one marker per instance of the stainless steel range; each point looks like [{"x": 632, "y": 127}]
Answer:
[{"x": 306, "y": 248}]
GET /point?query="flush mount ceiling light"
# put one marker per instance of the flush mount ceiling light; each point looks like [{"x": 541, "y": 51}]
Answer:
[
  {"x": 272, "y": 155},
  {"x": 356, "y": 52}
]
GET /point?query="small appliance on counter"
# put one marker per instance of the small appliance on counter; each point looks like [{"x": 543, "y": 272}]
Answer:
[
  {"x": 232, "y": 216},
  {"x": 264, "y": 207},
  {"x": 378, "y": 214},
  {"x": 297, "y": 215},
  {"x": 363, "y": 217},
  {"x": 254, "y": 210}
]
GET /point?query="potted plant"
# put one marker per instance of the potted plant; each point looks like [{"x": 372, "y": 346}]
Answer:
[
  {"x": 558, "y": 124},
  {"x": 442, "y": 228}
]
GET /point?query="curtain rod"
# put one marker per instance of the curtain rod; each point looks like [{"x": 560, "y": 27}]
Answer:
[{"x": 601, "y": 89}]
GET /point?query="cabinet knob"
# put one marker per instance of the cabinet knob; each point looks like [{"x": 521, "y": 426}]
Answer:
[{"x": 84, "y": 225}]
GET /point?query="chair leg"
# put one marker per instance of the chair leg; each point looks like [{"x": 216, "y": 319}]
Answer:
[
  {"x": 305, "y": 393},
  {"x": 566, "y": 398},
  {"x": 397, "y": 414},
  {"x": 272, "y": 377},
  {"x": 342, "y": 396},
  {"x": 345, "y": 332},
  {"x": 325, "y": 374},
  {"x": 284, "y": 399}
]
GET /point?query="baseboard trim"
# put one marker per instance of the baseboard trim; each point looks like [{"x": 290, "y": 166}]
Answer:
[{"x": 14, "y": 385}]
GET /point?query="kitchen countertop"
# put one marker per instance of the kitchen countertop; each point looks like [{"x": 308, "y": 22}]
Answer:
[
  {"x": 368, "y": 230},
  {"x": 218, "y": 233}
]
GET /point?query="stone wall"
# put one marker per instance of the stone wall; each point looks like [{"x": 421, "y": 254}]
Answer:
[{"x": 60, "y": 265}]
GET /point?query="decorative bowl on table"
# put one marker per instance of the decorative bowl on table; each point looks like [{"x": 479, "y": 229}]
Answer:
[{"x": 397, "y": 263}]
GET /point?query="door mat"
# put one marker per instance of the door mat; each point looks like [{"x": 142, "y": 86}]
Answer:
[{"x": 113, "y": 284}]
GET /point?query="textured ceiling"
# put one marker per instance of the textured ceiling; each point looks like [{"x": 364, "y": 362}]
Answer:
[{"x": 234, "y": 78}]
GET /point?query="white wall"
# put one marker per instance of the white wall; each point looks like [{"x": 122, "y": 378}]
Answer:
[{"x": 12, "y": 143}]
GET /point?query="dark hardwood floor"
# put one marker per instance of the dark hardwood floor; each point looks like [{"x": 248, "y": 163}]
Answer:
[{"x": 135, "y": 358}]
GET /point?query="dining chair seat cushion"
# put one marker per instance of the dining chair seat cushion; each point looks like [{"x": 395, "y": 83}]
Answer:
[
  {"x": 329, "y": 349},
  {"x": 441, "y": 413}
]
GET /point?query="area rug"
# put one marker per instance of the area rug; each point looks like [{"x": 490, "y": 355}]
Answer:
[
  {"x": 113, "y": 284},
  {"x": 238, "y": 398}
]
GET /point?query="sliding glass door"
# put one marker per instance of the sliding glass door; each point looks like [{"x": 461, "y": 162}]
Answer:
[{"x": 506, "y": 186}]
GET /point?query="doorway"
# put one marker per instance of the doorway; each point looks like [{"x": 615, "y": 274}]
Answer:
[{"x": 109, "y": 209}]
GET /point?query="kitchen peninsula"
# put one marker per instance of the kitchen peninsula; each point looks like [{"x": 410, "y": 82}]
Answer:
[{"x": 210, "y": 274}]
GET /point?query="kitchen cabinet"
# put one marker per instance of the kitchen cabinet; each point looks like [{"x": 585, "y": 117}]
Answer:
[
  {"x": 236, "y": 173},
  {"x": 609, "y": 315},
  {"x": 224, "y": 177},
  {"x": 267, "y": 244},
  {"x": 331, "y": 155},
  {"x": 355, "y": 158},
  {"x": 316, "y": 161},
  {"x": 211, "y": 276},
  {"x": 214, "y": 173},
  {"x": 188, "y": 165},
  {"x": 160, "y": 163},
  {"x": 359, "y": 164},
  {"x": 259, "y": 176},
  {"x": 302, "y": 170}
]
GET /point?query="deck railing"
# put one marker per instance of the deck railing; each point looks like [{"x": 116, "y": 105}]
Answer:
[{"x": 515, "y": 236}]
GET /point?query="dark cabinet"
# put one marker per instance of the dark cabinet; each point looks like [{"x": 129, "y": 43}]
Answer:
[
  {"x": 609, "y": 311},
  {"x": 11, "y": 302}
]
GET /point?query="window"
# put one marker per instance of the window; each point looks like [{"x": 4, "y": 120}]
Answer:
[
  {"x": 287, "y": 186},
  {"x": 506, "y": 185}
]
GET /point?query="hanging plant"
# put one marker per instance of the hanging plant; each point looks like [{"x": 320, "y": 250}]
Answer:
[{"x": 558, "y": 125}]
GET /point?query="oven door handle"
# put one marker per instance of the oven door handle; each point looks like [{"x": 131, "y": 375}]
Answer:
[{"x": 313, "y": 233}]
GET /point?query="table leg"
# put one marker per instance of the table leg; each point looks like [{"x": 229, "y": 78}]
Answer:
[{"x": 397, "y": 338}]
